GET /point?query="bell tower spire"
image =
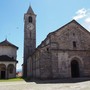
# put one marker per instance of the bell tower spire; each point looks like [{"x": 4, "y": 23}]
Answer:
[
  {"x": 29, "y": 36},
  {"x": 30, "y": 10}
]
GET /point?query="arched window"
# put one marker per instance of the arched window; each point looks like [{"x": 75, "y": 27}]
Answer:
[
  {"x": 74, "y": 44},
  {"x": 48, "y": 50},
  {"x": 10, "y": 68},
  {"x": 30, "y": 19}
]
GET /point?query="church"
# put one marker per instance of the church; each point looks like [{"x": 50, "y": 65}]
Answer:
[
  {"x": 8, "y": 62},
  {"x": 65, "y": 53}
]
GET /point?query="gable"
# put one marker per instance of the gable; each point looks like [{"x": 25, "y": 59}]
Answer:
[
  {"x": 72, "y": 25},
  {"x": 66, "y": 35},
  {"x": 69, "y": 33}
]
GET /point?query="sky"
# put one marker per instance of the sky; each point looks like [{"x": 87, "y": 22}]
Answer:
[{"x": 51, "y": 15}]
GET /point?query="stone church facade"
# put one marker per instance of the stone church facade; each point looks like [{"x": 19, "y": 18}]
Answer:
[{"x": 65, "y": 53}]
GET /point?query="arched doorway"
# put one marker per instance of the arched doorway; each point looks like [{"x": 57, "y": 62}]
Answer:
[
  {"x": 75, "y": 72},
  {"x": 2, "y": 71}
]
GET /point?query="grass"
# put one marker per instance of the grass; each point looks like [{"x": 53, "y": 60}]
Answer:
[{"x": 12, "y": 80}]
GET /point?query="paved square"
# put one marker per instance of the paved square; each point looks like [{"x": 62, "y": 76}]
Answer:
[{"x": 22, "y": 85}]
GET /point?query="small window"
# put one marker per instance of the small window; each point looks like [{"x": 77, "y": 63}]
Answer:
[
  {"x": 73, "y": 34},
  {"x": 74, "y": 44},
  {"x": 48, "y": 50},
  {"x": 30, "y": 19}
]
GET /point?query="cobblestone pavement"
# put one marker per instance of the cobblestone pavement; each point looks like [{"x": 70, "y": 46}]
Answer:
[{"x": 22, "y": 85}]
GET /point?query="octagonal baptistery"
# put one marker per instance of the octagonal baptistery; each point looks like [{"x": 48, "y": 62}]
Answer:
[{"x": 8, "y": 55}]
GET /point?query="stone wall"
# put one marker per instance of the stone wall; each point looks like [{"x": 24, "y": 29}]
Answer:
[
  {"x": 65, "y": 36},
  {"x": 52, "y": 59},
  {"x": 64, "y": 63}
]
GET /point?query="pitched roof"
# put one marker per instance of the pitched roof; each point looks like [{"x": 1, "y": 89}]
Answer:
[
  {"x": 7, "y": 58},
  {"x": 30, "y": 10},
  {"x": 7, "y": 43},
  {"x": 73, "y": 21}
]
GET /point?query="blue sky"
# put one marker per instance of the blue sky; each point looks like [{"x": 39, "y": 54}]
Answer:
[{"x": 51, "y": 15}]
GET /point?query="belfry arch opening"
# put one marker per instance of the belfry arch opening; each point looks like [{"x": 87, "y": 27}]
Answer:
[
  {"x": 75, "y": 71},
  {"x": 30, "y": 19}
]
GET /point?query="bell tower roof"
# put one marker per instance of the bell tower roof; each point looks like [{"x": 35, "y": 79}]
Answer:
[{"x": 30, "y": 10}]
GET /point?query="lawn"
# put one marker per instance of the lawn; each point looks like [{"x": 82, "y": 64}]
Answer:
[{"x": 12, "y": 80}]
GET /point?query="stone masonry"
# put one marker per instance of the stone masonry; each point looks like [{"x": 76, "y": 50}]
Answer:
[{"x": 53, "y": 57}]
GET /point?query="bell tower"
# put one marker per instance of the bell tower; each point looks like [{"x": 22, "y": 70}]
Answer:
[{"x": 29, "y": 37}]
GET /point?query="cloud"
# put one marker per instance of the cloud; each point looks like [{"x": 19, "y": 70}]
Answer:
[
  {"x": 80, "y": 14},
  {"x": 87, "y": 20},
  {"x": 83, "y": 15},
  {"x": 86, "y": 23}
]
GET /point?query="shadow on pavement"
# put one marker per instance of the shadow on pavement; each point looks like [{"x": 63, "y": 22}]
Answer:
[{"x": 69, "y": 80}]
